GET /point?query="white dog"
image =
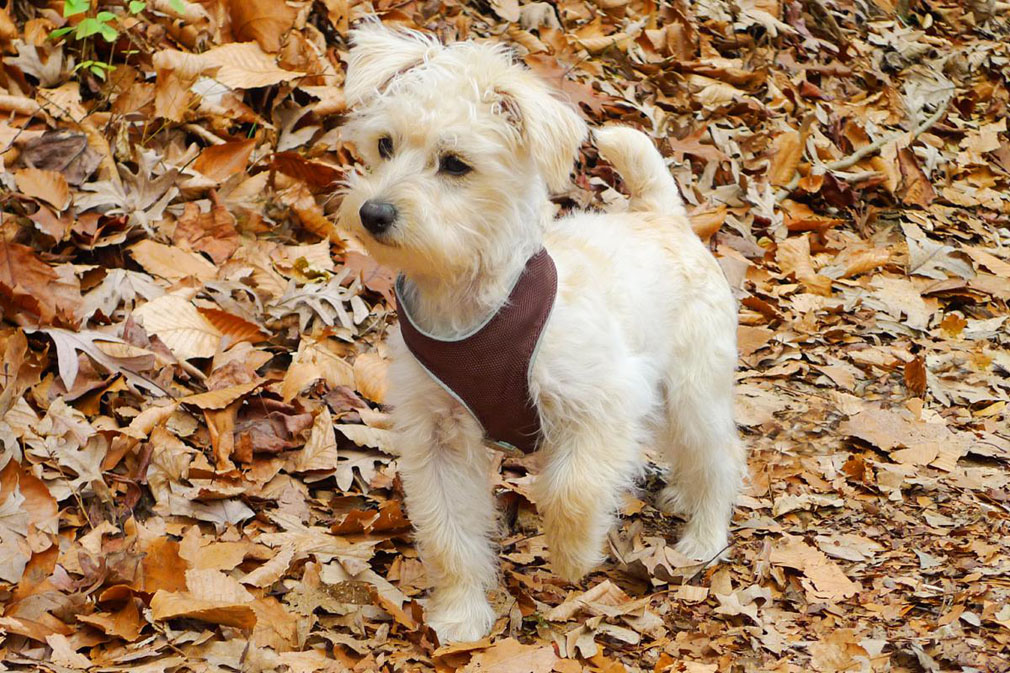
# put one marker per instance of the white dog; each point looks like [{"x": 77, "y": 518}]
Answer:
[{"x": 462, "y": 146}]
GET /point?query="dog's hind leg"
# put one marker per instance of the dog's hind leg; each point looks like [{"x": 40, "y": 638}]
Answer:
[
  {"x": 703, "y": 448},
  {"x": 446, "y": 475}
]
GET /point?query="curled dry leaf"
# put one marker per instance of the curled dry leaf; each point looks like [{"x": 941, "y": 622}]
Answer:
[
  {"x": 824, "y": 581},
  {"x": 320, "y": 452},
  {"x": 323, "y": 359},
  {"x": 233, "y": 327},
  {"x": 370, "y": 370},
  {"x": 375, "y": 438},
  {"x": 513, "y": 656},
  {"x": 220, "y": 162},
  {"x": 222, "y": 397},
  {"x": 272, "y": 570},
  {"x": 211, "y": 597},
  {"x": 265, "y": 21},
  {"x": 49, "y": 186},
  {"x": 30, "y": 284},
  {"x": 787, "y": 150}
]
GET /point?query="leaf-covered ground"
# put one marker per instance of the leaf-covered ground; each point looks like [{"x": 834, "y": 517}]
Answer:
[{"x": 196, "y": 472}]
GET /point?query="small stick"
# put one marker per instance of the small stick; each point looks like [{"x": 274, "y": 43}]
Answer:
[{"x": 863, "y": 152}]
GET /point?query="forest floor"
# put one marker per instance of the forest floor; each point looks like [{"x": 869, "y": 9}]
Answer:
[{"x": 195, "y": 465}]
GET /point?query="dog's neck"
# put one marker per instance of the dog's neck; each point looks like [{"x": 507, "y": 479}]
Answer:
[{"x": 449, "y": 308}]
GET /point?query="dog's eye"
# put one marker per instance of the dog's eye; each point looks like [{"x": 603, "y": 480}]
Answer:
[
  {"x": 385, "y": 147},
  {"x": 453, "y": 165}
]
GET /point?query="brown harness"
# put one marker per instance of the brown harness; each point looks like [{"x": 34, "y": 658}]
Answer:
[{"x": 488, "y": 369}]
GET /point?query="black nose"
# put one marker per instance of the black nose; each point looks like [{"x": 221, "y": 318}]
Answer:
[{"x": 377, "y": 216}]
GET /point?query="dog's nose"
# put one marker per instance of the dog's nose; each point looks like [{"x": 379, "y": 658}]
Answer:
[{"x": 377, "y": 216}]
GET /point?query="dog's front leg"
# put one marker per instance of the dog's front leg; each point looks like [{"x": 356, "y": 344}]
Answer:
[
  {"x": 587, "y": 469},
  {"x": 446, "y": 475}
]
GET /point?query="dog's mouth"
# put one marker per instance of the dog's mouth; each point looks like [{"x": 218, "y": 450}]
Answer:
[{"x": 384, "y": 238}]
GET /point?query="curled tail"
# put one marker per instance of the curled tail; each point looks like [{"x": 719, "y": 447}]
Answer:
[{"x": 640, "y": 164}]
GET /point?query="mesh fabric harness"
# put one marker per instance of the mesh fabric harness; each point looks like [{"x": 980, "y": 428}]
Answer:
[{"x": 487, "y": 370}]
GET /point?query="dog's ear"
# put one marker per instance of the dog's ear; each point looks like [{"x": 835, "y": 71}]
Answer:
[
  {"x": 378, "y": 54},
  {"x": 550, "y": 129}
]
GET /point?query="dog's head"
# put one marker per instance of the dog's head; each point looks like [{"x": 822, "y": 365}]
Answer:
[{"x": 461, "y": 145}]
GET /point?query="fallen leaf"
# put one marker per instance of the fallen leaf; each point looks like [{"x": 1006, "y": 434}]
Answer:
[
  {"x": 181, "y": 326},
  {"x": 221, "y": 397},
  {"x": 211, "y": 597},
  {"x": 220, "y": 162},
  {"x": 265, "y": 21},
  {"x": 511, "y": 656},
  {"x": 171, "y": 263},
  {"x": 824, "y": 581},
  {"x": 49, "y": 186}
]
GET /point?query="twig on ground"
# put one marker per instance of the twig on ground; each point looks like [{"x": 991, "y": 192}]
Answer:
[
  {"x": 872, "y": 148},
  {"x": 198, "y": 130}
]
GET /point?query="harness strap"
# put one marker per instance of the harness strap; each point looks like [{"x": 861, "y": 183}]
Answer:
[{"x": 488, "y": 370}]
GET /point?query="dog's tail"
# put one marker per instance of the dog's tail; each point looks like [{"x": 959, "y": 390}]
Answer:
[{"x": 651, "y": 187}]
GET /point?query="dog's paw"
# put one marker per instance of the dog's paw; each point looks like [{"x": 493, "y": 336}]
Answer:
[
  {"x": 463, "y": 620},
  {"x": 704, "y": 548},
  {"x": 573, "y": 565},
  {"x": 670, "y": 501}
]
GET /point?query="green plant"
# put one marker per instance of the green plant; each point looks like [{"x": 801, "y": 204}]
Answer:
[{"x": 102, "y": 23}]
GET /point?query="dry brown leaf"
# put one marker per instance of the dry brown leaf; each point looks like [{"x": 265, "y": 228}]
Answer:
[
  {"x": 901, "y": 297},
  {"x": 750, "y": 339},
  {"x": 907, "y": 440},
  {"x": 604, "y": 598},
  {"x": 915, "y": 376},
  {"x": 233, "y": 327},
  {"x": 171, "y": 263},
  {"x": 989, "y": 261},
  {"x": 30, "y": 284},
  {"x": 245, "y": 66},
  {"x": 178, "y": 323},
  {"x": 213, "y": 232},
  {"x": 126, "y": 623},
  {"x": 265, "y": 21},
  {"x": 705, "y": 223},
  {"x": 787, "y": 150},
  {"x": 222, "y": 397},
  {"x": 64, "y": 654},
  {"x": 370, "y": 371},
  {"x": 272, "y": 570},
  {"x": 511, "y": 656},
  {"x": 49, "y": 186},
  {"x": 800, "y": 217},
  {"x": 320, "y": 452},
  {"x": 824, "y": 581},
  {"x": 212, "y": 597},
  {"x": 8, "y": 31},
  {"x": 220, "y": 162},
  {"x": 915, "y": 188},
  {"x": 322, "y": 359},
  {"x": 866, "y": 260},
  {"x": 793, "y": 256},
  {"x": 374, "y": 438}
]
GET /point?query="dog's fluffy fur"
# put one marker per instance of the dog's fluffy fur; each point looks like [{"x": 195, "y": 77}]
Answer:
[{"x": 640, "y": 348}]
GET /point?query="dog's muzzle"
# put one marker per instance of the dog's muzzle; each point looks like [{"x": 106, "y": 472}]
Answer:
[{"x": 377, "y": 216}]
